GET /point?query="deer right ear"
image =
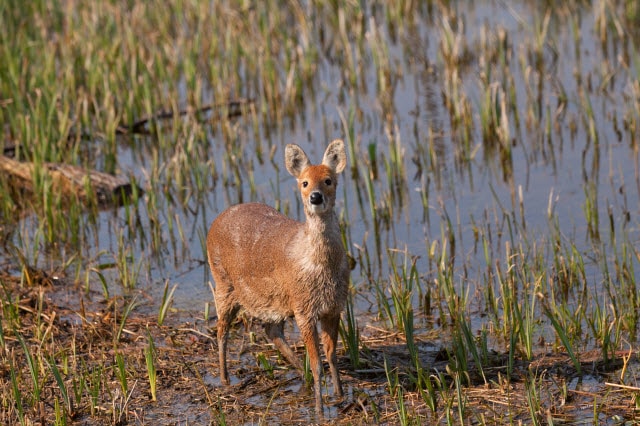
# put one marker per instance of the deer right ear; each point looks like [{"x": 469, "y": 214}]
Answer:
[
  {"x": 295, "y": 159},
  {"x": 334, "y": 157}
]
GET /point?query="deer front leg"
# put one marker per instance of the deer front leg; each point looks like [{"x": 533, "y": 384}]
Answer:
[
  {"x": 329, "y": 326},
  {"x": 309, "y": 334}
]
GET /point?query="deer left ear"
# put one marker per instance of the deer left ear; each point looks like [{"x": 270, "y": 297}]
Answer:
[{"x": 335, "y": 157}]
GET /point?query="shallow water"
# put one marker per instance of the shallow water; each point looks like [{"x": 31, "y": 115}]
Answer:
[
  {"x": 550, "y": 169},
  {"x": 554, "y": 160}
]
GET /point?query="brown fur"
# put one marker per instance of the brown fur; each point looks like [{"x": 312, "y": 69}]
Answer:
[{"x": 275, "y": 267}]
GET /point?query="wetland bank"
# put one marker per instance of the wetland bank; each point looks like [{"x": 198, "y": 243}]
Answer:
[{"x": 490, "y": 205}]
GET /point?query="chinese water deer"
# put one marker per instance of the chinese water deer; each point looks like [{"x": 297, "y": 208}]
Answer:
[{"x": 275, "y": 267}]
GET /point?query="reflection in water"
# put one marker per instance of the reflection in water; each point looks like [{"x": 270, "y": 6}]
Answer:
[{"x": 473, "y": 131}]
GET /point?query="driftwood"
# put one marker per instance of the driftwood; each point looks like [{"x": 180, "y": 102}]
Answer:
[
  {"x": 70, "y": 181},
  {"x": 232, "y": 109}
]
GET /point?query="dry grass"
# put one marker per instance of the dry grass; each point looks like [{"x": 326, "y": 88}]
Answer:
[
  {"x": 489, "y": 212},
  {"x": 77, "y": 332}
]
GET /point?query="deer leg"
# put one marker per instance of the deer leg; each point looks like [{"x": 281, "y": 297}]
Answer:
[
  {"x": 329, "y": 327},
  {"x": 309, "y": 333},
  {"x": 225, "y": 317},
  {"x": 275, "y": 332}
]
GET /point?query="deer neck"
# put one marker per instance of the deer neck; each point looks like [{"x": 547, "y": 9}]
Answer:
[{"x": 323, "y": 234}]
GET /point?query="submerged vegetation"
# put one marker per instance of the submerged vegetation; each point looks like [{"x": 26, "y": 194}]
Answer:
[{"x": 490, "y": 208}]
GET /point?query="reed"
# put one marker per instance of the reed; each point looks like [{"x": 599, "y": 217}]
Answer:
[
  {"x": 128, "y": 309},
  {"x": 34, "y": 370},
  {"x": 167, "y": 297},
  {"x": 150, "y": 361},
  {"x": 350, "y": 334},
  {"x": 452, "y": 129},
  {"x": 264, "y": 364},
  {"x": 121, "y": 373},
  {"x": 93, "y": 383},
  {"x": 16, "y": 392},
  {"x": 68, "y": 408},
  {"x": 533, "y": 398}
]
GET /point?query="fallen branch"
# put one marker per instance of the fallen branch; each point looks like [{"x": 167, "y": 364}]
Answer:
[
  {"x": 614, "y": 385},
  {"x": 233, "y": 109}
]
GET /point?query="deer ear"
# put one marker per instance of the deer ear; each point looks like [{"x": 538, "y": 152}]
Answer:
[
  {"x": 334, "y": 157},
  {"x": 295, "y": 159}
]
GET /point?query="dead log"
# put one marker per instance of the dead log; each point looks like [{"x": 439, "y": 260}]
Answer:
[
  {"x": 70, "y": 181},
  {"x": 231, "y": 109}
]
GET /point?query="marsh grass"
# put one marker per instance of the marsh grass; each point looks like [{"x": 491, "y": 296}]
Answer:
[
  {"x": 67, "y": 401},
  {"x": 429, "y": 104},
  {"x": 121, "y": 373},
  {"x": 128, "y": 309},
  {"x": 150, "y": 361},
  {"x": 350, "y": 334},
  {"x": 167, "y": 297}
]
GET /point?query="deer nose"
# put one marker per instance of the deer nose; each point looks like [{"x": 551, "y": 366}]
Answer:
[{"x": 315, "y": 198}]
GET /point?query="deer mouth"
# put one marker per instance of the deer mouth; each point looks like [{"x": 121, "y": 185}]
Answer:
[{"x": 317, "y": 202}]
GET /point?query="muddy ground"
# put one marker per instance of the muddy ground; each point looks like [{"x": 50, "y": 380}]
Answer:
[{"x": 78, "y": 329}]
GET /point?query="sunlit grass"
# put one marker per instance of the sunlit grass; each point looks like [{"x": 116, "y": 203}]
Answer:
[
  {"x": 150, "y": 361},
  {"x": 434, "y": 109}
]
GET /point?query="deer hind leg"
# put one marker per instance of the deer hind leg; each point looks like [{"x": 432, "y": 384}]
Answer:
[
  {"x": 227, "y": 311},
  {"x": 275, "y": 332},
  {"x": 329, "y": 327}
]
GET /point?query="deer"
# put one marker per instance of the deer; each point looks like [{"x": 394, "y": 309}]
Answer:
[{"x": 275, "y": 268}]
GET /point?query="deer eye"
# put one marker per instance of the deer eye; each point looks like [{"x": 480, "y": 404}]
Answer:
[
  {"x": 305, "y": 184},
  {"x": 328, "y": 182}
]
